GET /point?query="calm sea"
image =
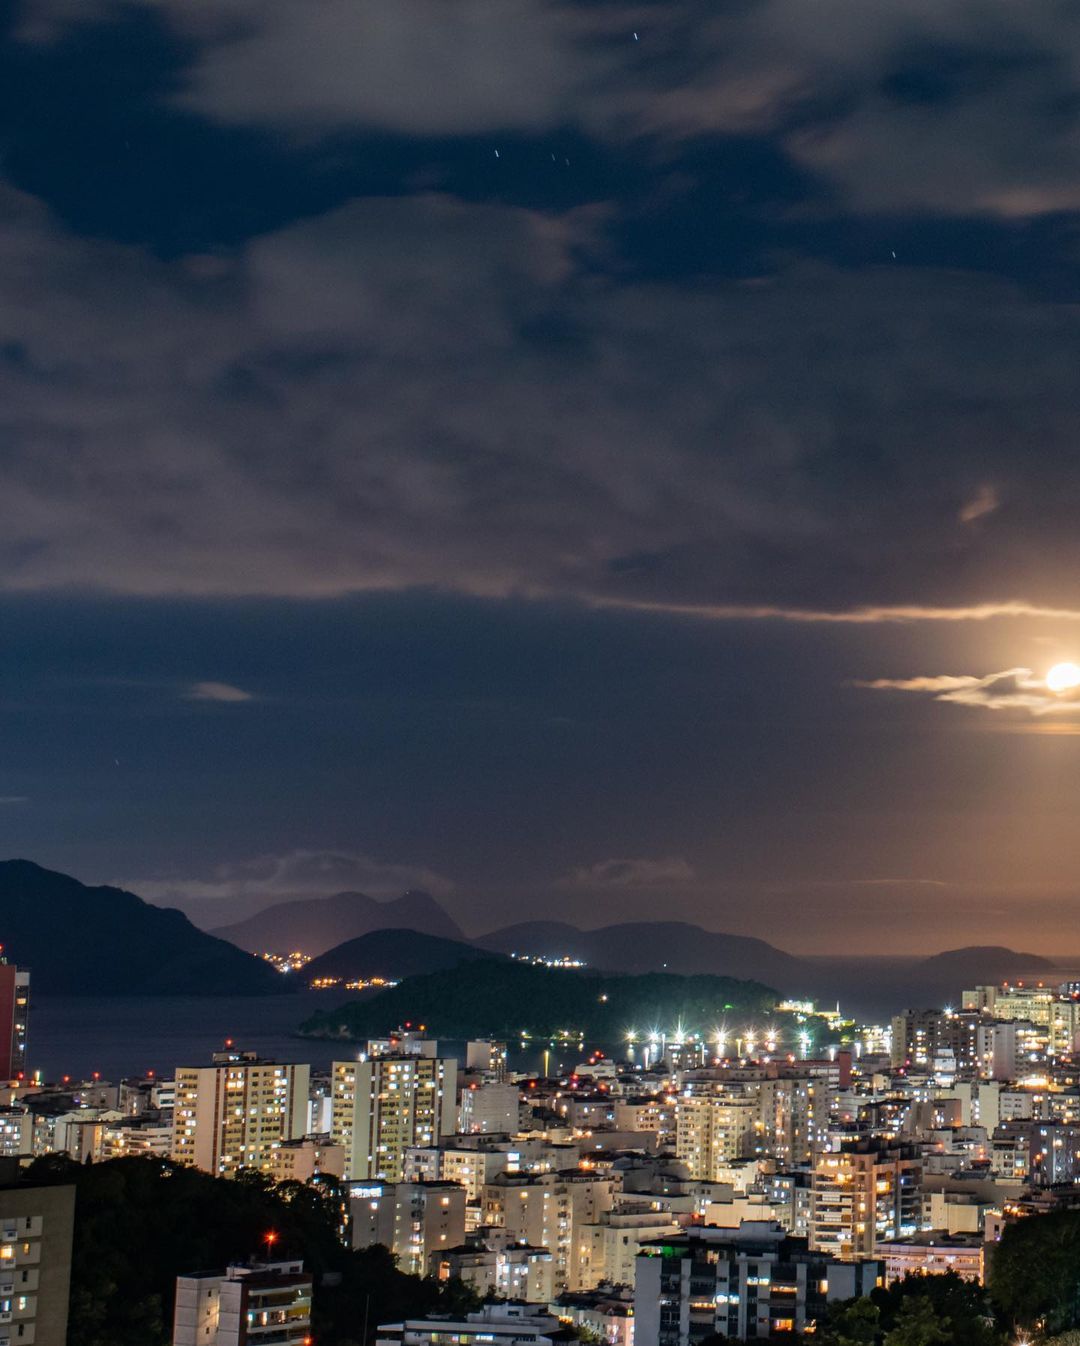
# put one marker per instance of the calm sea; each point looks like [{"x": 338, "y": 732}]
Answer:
[
  {"x": 126, "y": 1035},
  {"x": 119, "y": 1036}
]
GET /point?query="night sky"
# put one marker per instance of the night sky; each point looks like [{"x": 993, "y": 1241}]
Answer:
[{"x": 584, "y": 458}]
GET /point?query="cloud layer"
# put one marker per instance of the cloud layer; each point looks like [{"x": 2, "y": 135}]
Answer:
[
  {"x": 298, "y": 874},
  {"x": 1016, "y": 689},
  {"x": 954, "y": 106},
  {"x": 222, "y": 692},
  {"x": 427, "y": 392},
  {"x": 614, "y": 874}
]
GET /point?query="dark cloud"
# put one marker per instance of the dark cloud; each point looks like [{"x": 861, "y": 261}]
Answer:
[
  {"x": 952, "y": 106},
  {"x": 427, "y": 392},
  {"x": 566, "y": 492}
]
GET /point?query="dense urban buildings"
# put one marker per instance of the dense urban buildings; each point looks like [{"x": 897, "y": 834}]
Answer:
[
  {"x": 679, "y": 1192},
  {"x": 415, "y": 1220}
]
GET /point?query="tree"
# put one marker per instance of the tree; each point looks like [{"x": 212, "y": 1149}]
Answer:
[
  {"x": 854, "y": 1322},
  {"x": 964, "y": 1303},
  {"x": 918, "y": 1323},
  {"x": 139, "y": 1223},
  {"x": 1035, "y": 1271}
]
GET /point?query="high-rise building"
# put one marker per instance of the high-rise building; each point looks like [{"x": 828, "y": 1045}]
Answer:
[
  {"x": 487, "y": 1057},
  {"x": 307, "y": 1159},
  {"x": 921, "y": 1037},
  {"x": 415, "y": 1220},
  {"x": 713, "y": 1128},
  {"x": 752, "y": 1282},
  {"x": 495, "y": 1266},
  {"x": 1017, "y": 1001},
  {"x": 264, "y": 1304},
  {"x": 36, "y": 1228},
  {"x": 609, "y": 1248},
  {"x": 489, "y": 1109},
  {"x": 553, "y": 1211},
  {"x": 861, "y": 1194},
  {"x": 385, "y": 1104},
  {"x": 794, "y": 1116},
  {"x": 234, "y": 1113},
  {"x": 14, "y": 1012}
]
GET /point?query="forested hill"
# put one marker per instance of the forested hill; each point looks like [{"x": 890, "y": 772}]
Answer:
[{"x": 514, "y": 998}]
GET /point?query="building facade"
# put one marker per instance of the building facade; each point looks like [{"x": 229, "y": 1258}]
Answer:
[
  {"x": 553, "y": 1211},
  {"x": 14, "y": 1016},
  {"x": 749, "y": 1283},
  {"x": 386, "y": 1104},
  {"x": 265, "y": 1304},
  {"x": 36, "y": 1230},
  {"x": 862, "y": 1194},
  {"x": 235, "y": 1113},
  {"x": 415, "y": 1220}
]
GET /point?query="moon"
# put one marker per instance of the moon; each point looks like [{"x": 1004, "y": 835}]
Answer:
[{"x": 1063, "y": 677}]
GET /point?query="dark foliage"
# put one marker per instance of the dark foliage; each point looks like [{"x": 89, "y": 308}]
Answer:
[
  {"x": 1035, "y": 1271},
  {"x": 139, "y": 1223},
  {"x": 965, "y": 1305},
  {"x": 509, "y": 998},
  {"x": 917, "y": 1311}
]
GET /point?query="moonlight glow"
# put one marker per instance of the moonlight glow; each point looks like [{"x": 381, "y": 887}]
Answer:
[{"x": 1063, "y": 677}]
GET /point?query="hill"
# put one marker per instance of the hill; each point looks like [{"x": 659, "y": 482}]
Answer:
[
  {"x": 393, "y": 954},
  {"x": 78, "y": 940},
  {"x": 509, "y": 999},
  {"x": 653, "y": 946},
  {"x": 314, "y": 925},
  {"x": 986, "y": 962}
]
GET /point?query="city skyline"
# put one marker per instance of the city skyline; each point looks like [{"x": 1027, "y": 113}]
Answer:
[{"x": 584, "y": 460}]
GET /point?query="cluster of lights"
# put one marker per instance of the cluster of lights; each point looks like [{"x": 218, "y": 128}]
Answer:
[
  {"x": 360, "y": 984},
  {"x": 287, "y": 962},
  {"x": 745, "y": 1041},
  {"x": 546, "y": 960}
]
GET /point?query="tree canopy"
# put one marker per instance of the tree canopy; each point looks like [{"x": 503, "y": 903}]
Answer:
[
  {"x": 139, "y": 1223},
  {"x": 1035, "y": 1271}
]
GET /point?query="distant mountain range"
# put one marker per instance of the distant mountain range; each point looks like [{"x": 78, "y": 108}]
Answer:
[
  {"x": 315, "y": 925},
  {"x": 875, "y": 986},
  {"x": 104, "y": 941},
  {"x": 80, "y": 940},
  {"x": 394, "y": 954}
]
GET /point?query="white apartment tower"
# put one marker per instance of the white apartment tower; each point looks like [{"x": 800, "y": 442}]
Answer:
[
  {"x": 385, "y": 1104},
  {"x": 235, "y": 1113}
]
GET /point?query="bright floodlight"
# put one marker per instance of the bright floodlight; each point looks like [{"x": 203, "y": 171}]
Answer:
[{"x": 1063, "y": 677}]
